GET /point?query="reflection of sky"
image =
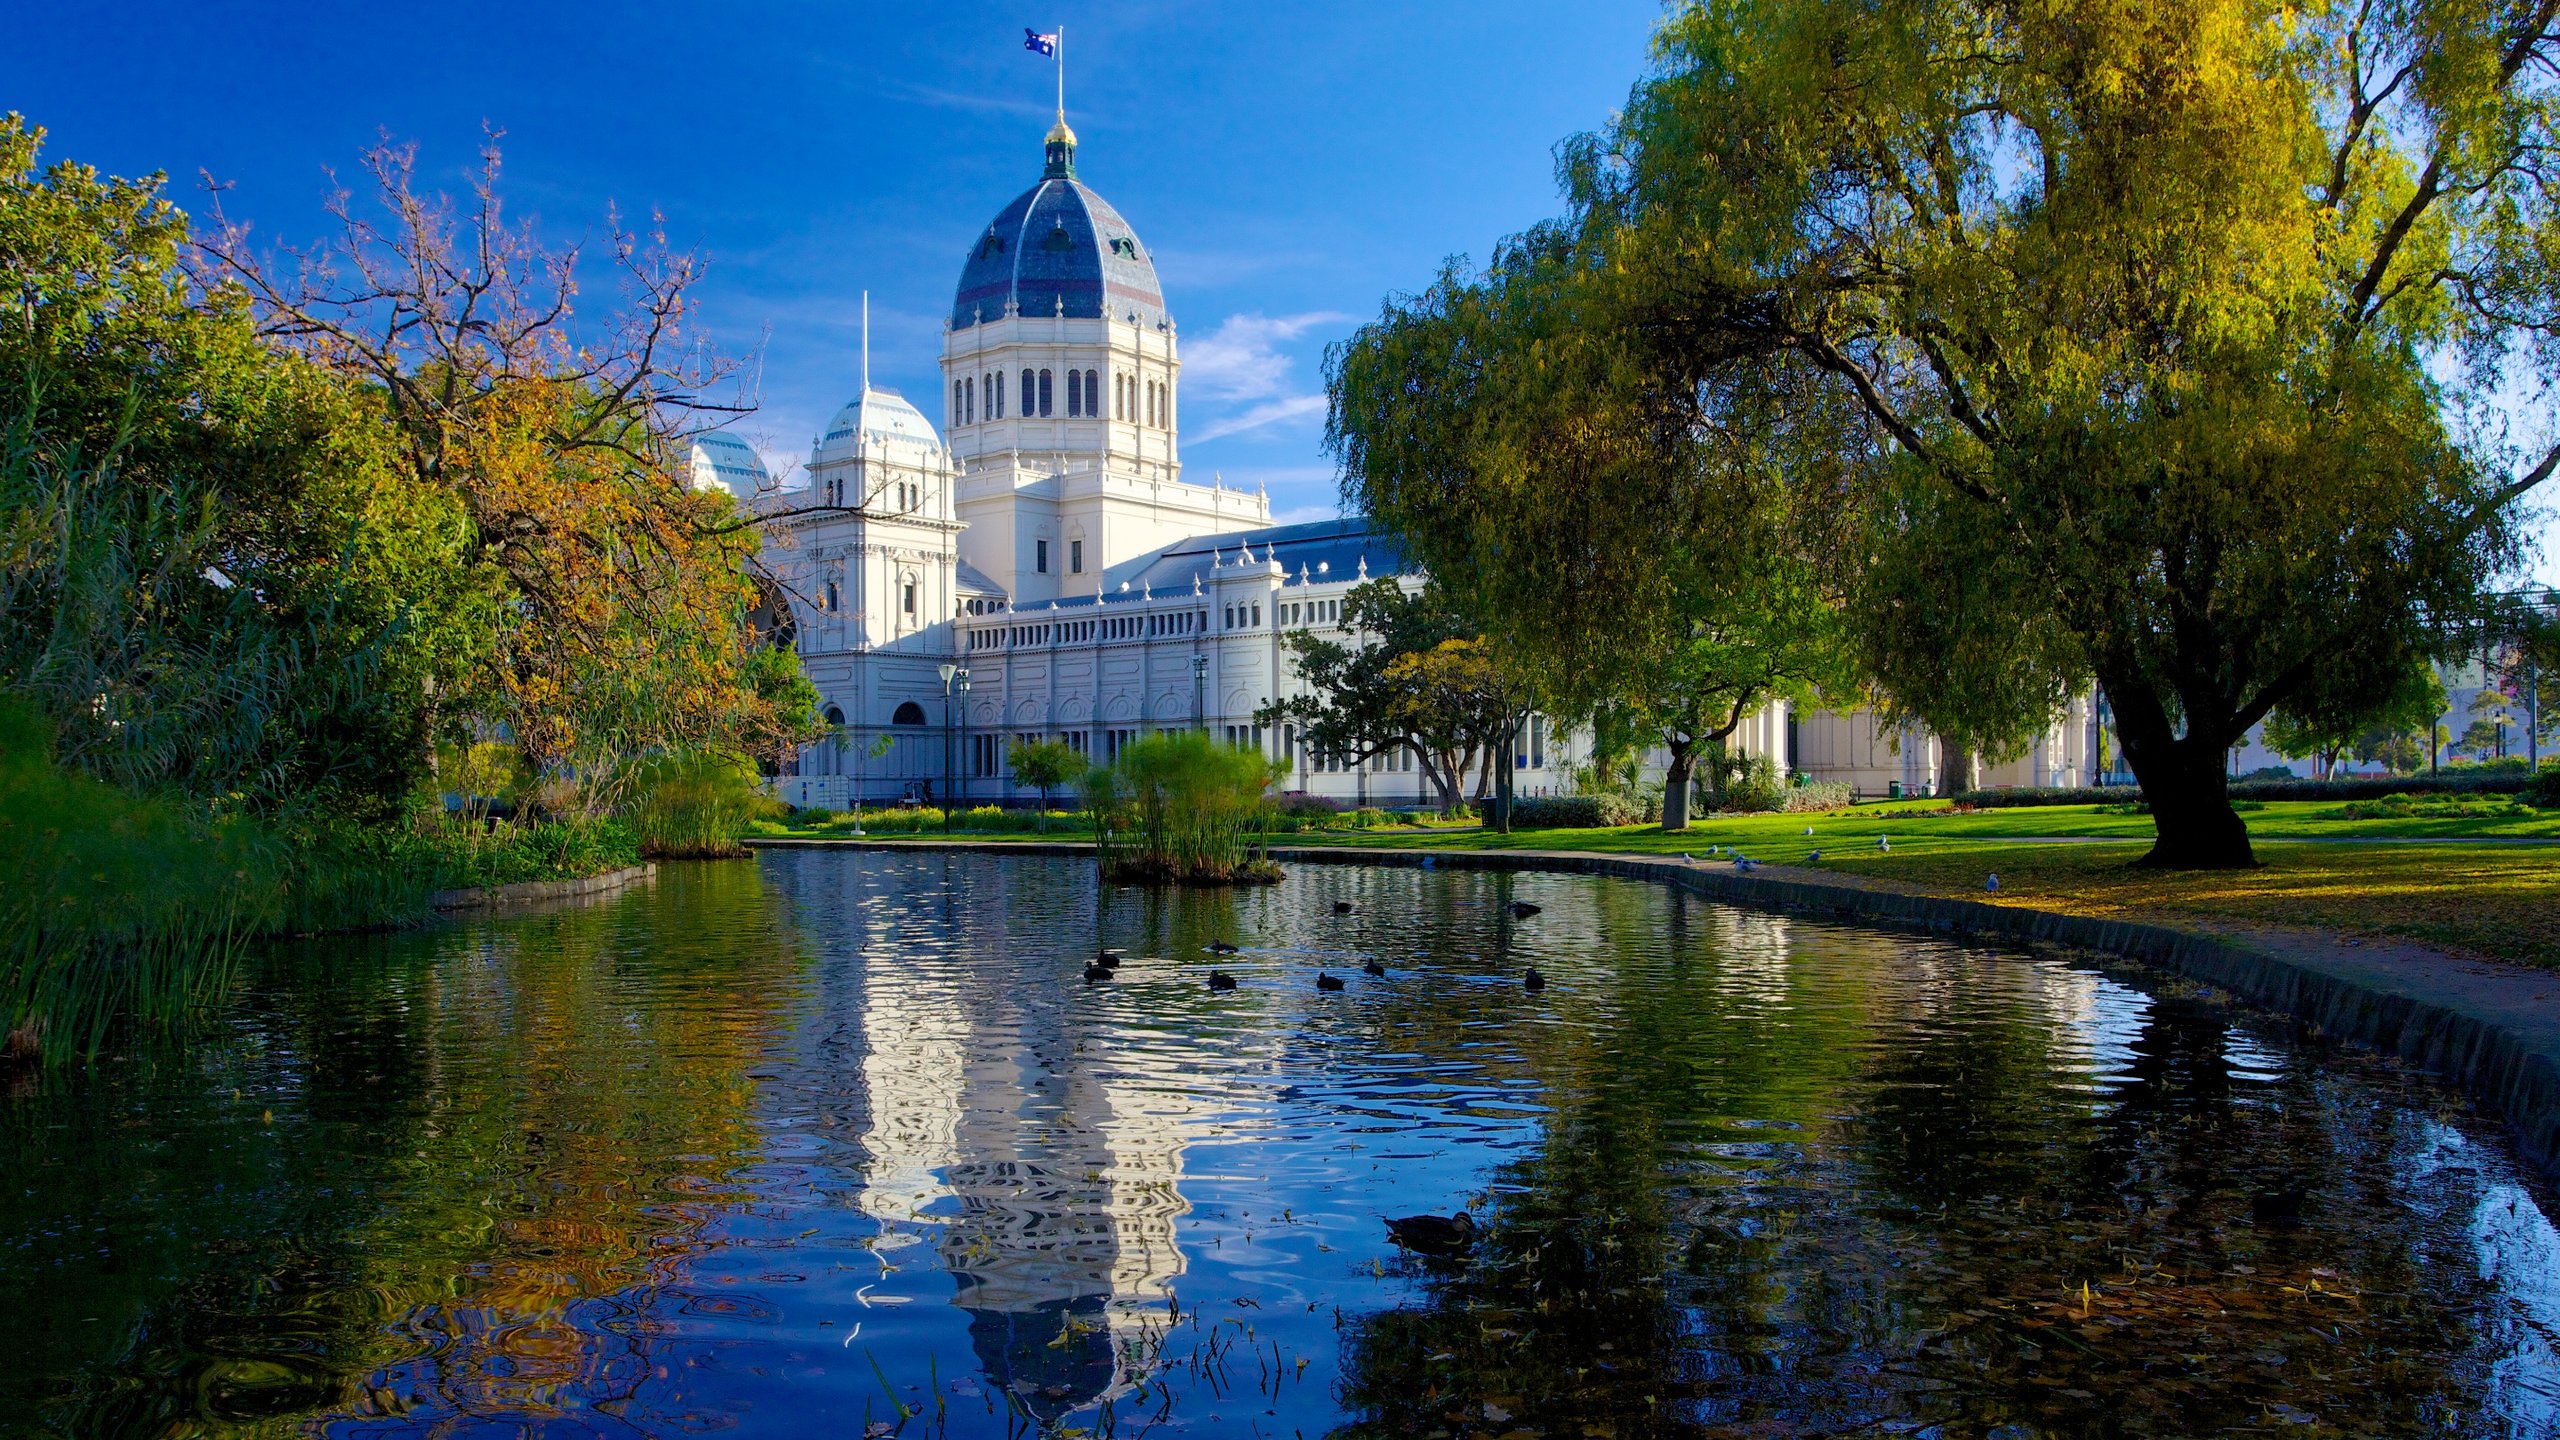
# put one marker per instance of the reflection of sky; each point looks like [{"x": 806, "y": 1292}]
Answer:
[{"x": 2515, "y": 1246}]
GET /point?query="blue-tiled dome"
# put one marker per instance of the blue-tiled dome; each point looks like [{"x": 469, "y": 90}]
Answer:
[{"x": 1059, "y": 249}]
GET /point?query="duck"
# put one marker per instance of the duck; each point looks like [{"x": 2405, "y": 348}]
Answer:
[
  {"x": 1522, "y": 909},
  {"x": 1328, "y": 982},
  {"x": 1111, "y": 955},
  {"x": 1374, "y": 968},
  {"x": 1434, "y": 1234},
  {"x": 1221, "y": 980},
  {"x": 1342, "y": 907},
  {"x": 1096, "y": 971},
  {"x": 1533, "y": 979},
  {"x": 1221, "y": 947},
  {"x": 1110, "y": 959}
]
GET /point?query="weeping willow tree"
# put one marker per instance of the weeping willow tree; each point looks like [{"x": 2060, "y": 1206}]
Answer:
[{"x": 1183, "y": 809}]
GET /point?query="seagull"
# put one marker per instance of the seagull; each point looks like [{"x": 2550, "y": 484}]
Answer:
[
  {"x": 1992, "y": 884},
  {"x": 1808, "y": 829},
  {"x": 1328, "y": 982},
  {"x": 1813, "y": 858},
  {"x": 1221, "y": 980},
  {"x": 1533, "y": 979},
  {"x": 1883, "y": 844}
]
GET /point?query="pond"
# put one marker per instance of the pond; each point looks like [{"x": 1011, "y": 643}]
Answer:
[{"x": 841, "y": 1143}]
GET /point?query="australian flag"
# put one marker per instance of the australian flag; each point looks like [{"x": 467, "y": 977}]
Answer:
[{"x": 1038, "y": 43}]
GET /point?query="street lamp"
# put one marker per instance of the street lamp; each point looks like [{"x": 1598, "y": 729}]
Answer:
[
  {"x": 950, "y": 673},
  {"x": 1200, "y": 692}
]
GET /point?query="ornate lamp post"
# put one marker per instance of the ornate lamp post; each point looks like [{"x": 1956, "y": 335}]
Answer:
[
  {"x": 1200, "y": 692},
  {"x": 950, "y": 727}
]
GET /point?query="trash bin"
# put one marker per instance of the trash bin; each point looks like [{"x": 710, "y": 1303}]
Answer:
[{"x": 1893, "y": 791}]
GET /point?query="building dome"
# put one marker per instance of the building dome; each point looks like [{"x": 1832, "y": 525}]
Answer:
[
  {"x": 1059, "y": 249},
  {"x": 884, "y": 423},
  {"x": 724, "y": 462}
]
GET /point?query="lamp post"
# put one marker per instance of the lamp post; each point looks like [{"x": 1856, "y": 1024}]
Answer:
[
  {"x": 951, "y": 728},
  {"x": 1200, "y": 692}
]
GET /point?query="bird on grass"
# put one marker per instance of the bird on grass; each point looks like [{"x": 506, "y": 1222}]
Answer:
[
  {"x": 1522, "y": 909},
  {"x": 1374, "y": 968},
  {"x": 1883, "y": 844},
  {"x": 1221, "y": 980},
  {"x": 1434, "y": 1234},
  {"x": 1814, "y": 859},
  {"x": 1221, "y": 947},
  {"x": 1096, "y": 971},
  {"x": 1534, "y": 980},
  {"x": 1992, "y": 884},
  {"x": 1328, "y": 982},
  {"x": 1341, "y": 907}
]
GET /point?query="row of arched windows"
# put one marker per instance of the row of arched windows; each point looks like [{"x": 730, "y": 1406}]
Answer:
[{"x": 1148, "y": 402}]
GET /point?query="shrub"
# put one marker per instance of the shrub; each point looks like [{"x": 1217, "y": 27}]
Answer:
[
  {"x": 1751, "y": 787},
  {"x": 2462, "y": 780},
  {"x": 1815, "y": 795},
  {"x": 1182, "y": 808},
  {"x": 1575, "y": 812},
  {"x": 695, "y": 806},
  {"x": 2544, "y": 791}
]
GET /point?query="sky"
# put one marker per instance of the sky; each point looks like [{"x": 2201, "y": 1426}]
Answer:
[{"x": 1289, "y": 167}]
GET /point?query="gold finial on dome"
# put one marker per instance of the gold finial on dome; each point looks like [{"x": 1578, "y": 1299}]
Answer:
[
  {"x": 1059, "y": 133},
  {"x": 1061, "y": 150}
]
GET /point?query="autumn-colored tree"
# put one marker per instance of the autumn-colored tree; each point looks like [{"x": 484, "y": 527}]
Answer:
[{"x": 560, "y": 428}]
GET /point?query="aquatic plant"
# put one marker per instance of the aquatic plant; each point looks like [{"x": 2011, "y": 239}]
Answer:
[
  {"x": 1185, "y": 809},
  {"x": 695, "y": 805}
]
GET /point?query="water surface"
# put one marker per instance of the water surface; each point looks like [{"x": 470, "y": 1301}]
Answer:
[{"x": 832, "y": 1143}]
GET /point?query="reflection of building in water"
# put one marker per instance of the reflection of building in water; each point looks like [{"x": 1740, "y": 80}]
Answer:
[{"x": 1047, "y": 1184}]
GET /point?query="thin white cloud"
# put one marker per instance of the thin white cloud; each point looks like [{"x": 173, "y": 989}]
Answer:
[
  {"x": 1270, "y": 412},
  {"x": 1242, "y": 361}
]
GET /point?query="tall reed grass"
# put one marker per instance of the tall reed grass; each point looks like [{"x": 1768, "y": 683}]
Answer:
[
  {"x": 695, "y": 805},
  {"x": 1183, "y": 809}
]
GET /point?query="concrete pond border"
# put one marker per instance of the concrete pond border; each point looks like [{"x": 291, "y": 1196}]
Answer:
[
  {"x": 2493, "y": 1030},
  {"x": 537, "y": 892}
]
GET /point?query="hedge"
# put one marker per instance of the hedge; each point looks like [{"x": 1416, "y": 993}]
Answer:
[{"x": 2361, "y": 788}]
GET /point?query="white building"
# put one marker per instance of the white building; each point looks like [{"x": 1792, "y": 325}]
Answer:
[{"x": 1046, "y": 571}]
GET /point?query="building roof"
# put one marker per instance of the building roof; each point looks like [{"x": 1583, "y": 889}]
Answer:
[
  {"x": 724, "y": 462},
  {"x": 1059, "y": 249},
  {"x": 884, "y": 420},
  {"x": 973, "y": 581},
  {"x": 1327, "y": 551}
]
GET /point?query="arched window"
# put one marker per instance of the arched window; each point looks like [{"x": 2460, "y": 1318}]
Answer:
[
  {"x": 1044, "y": 393},
  {"x": 909, "y": 713},
  {"x": 1075, "y": 396},
  {"x": 834, "y": 716},
  {"x": 995, "y": 396},
  {"x": 959, "y": 403},
  {"x": 1030, "y": 394},
  {"x": 908, "y": 601}
]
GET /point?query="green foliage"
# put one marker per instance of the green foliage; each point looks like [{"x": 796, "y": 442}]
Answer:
[
  {"x": 694, "y": 805},
  {"x": 117, "y": 906},
  {"x": 2544, "y": 789},
  {"x": 1577, "y": 812},
  {"x": 1045, "y": 766},
  {"x": 2384, "y": 729},
  {"x": 1182, "y": 808}
]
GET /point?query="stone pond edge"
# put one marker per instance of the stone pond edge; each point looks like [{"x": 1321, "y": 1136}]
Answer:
[
  {"x": 534, "y": 892},
  {"x": 2473, "y": 1024}
]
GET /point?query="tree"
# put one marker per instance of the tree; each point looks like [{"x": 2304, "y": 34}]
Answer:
[
  {"x": 1044, "y": 765},
  {"x": 1388, "y": 686},
  {"x": 211, "y": 580},
  {"x": 625, "y": 594},
  {"x": 2387, "y": 732},
  {"x": 2188, "y": 307},
  {"x": 1514, "y": 428}
]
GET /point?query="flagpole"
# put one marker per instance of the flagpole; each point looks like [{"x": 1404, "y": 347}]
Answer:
[{"x": 1062, "y": 70}]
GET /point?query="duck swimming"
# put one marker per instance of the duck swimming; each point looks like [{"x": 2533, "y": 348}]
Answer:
[
  {"x": 1522, "y": 909},
  {"x": 1221, "y": 980},
  {"x": 1096, "y": 971},
  {"x": 1221, "y": 947},
  {"x": 1373, "y": 968},
  {"x": 1342, "y": 907},
  {"x": 1328, "y": 982},
  {"x": 1434, "y": 1234},
  {"x": 1533, "y": 979}
]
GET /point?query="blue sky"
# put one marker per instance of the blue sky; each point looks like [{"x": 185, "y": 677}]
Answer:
[{"x": 1288, "y": 166}]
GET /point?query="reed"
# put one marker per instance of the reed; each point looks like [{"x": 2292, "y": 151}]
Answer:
[
  {"x": 695, "y": 805},
  {"x": 1183, "y": 809}
]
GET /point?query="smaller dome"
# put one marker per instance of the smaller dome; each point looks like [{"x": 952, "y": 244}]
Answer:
[
  {"x": 724, "y": 462},
  {"x": 884, "y": 422}
]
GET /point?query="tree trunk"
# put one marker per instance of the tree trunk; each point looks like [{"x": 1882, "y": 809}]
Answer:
[
  {"x": 1958, "y": 770},
  {"x": 1502, "y": 786},
  {"x": 1675, "y": 787},
  {"x": 2184, "y": 781}
]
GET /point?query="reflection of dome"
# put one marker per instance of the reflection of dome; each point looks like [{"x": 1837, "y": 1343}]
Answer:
[
  {"x": 1058, "y": 249},
  {"x": 725, "y": 462},
  {"x": 892, "y": 429}
]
